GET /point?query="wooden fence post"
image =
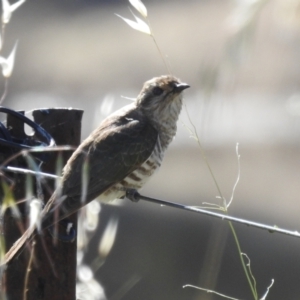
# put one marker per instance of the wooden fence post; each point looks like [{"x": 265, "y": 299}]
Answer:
[{"x": 53, "y": 270}]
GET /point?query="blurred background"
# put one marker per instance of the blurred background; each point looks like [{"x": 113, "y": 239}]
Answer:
[{"x": 242, "y": 60}]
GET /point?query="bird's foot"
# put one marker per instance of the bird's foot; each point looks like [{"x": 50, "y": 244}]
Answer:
[{"x": 133, "y": 195}]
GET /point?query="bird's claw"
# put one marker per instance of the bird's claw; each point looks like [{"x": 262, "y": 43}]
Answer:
[{"x": 133, "y": 195}]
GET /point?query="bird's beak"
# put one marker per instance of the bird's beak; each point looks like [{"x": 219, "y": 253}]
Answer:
[{"x": 180, "y": 87}]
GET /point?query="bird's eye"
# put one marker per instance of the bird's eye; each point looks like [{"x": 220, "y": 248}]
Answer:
[{"x": 157, "y": 91}]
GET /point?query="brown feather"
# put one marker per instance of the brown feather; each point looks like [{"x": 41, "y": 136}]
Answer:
[{"x": 122, "y": 152}]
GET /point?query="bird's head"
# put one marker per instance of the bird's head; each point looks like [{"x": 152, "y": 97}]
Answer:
[{"x": 161, "y": 98}]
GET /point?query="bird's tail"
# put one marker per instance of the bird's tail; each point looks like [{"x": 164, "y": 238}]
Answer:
[{"x": 29, "y": 233}]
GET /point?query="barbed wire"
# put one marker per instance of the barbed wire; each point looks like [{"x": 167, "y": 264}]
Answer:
[{"x": 135, "y": 196}]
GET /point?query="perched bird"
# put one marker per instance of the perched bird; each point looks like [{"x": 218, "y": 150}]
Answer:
[{"x": 123, "y": 153}]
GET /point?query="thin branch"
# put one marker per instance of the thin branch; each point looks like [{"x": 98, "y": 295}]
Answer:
[
  {"x": 4, "y": 91},
  {"x": 248, "y": 274},
  {"x": 248, "y": 265},
  {"x": 209, "y": 291},
  {"x": 25, "y": 152},
  {"x": 264, "y": 297},
  {"x": 238, "y": 175},
  {"x": 196, "y": 137},
  {"x": 26, "y": 287},
  {"x": 28, "y": 172}
]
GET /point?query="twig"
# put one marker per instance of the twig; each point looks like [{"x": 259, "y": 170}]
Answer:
[
  {"x": 28, "y": 172},
  {"x": 26, "y": 287},
  {"x": 4, "y": 94},
  {"x": 209, "y": 291}
]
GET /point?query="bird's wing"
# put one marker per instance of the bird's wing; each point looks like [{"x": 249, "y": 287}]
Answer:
[{"x": 120, "y": 145}]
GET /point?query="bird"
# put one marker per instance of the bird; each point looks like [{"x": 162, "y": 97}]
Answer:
[{"x": 121, "y": 154}]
